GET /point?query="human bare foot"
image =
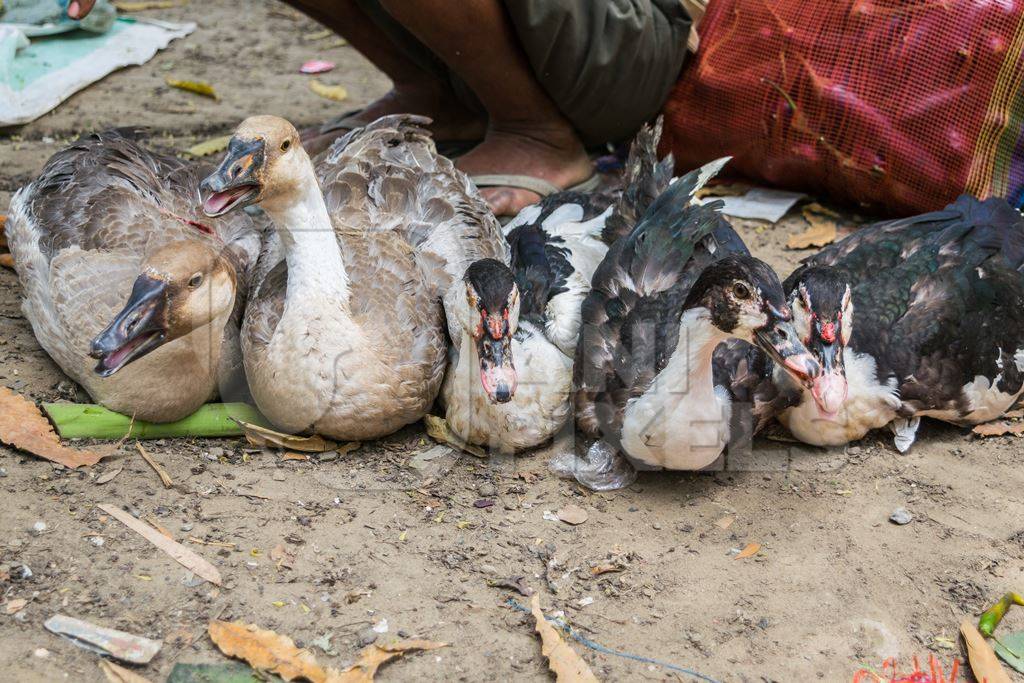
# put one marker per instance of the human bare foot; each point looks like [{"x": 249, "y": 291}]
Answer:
[
  {"x": 451, "y": 120},
  {"x": 553, "y": 153}
]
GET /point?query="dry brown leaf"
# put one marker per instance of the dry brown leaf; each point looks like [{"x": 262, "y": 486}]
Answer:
[
  {"x": 119, "y": 674},
  {"x": 108, "y": 475},
  {"x": 262, "y": 436},
  {"x": 1014, "y": 414},
  {"x": 751, "y": 550},
  {"x": 984, "y": 664},
  {"x": 266, "y": 650},
  {"x": 282, "y": 556},
  {"x": 371, "y": 658},
  {"x": 437, "y": 429},
  {"x": 572, "y": 514},
  {"x": 567, "y": 666},
  {"x": 725, "y": 522},
  {"x": 178, "y": 552},
  {"x": 7, "y": 261},
  {"x": 331, "y": 92},
  {"x": 16, "y": 605},
  {"x": 822, "y": 230},
  {"x": 288, "y": 455},
  {"x": 24, "y": 427},
  {"x": 999, "y": 428}
]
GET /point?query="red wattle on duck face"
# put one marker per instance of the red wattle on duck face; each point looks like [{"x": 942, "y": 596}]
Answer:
[
  {"x": 828, "y": 332},
  {"x": 829, "y": 392}
]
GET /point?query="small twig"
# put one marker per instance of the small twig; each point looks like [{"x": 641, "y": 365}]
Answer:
[{"x": 157, "y": 467}]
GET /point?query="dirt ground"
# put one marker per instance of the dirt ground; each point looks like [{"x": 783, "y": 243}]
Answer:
[{"x": 393, "y": 532}]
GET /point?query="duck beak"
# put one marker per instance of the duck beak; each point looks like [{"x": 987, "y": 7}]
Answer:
[
  {"x": 781, "y": 342},
  {"x": 830, "y": 389},
  {"x": 235, "y": 183},
  {"x": 497, "y": 371},
  {"x": 138, "y": 329}
]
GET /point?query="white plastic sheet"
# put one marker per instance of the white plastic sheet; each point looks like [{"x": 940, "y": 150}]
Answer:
[{"x": 36, "y": 78}]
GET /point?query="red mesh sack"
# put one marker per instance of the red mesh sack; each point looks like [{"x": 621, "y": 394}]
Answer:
[{"x": 895, "y": 105}]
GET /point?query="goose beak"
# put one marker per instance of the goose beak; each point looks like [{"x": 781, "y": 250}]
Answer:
[
  {"x": 138, "y": 329},
  {"x": 497, "y": 371},
  {"x": 780, "y": 341},
  {"x": 236, "y": 182}
]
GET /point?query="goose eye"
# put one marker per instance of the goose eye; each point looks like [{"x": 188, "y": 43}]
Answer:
[
  {"x": 195, "y": 280},
  {"x": 741, "y": 291},
  {"x": 285, "y": 145}
]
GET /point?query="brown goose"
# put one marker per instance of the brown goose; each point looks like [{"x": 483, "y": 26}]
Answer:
[
  {"x": 106, "y": 212},
  {"x": 344, "y": 334}
]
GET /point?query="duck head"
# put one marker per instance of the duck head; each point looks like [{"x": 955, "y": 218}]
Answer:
[
  {"x": 823, "y": 316},
  {"x": 264, "y": 164},
  {"x": 745, "y": 300},
  {"x": 181, "y": 287},
  {"x": 491, "y": 317}
]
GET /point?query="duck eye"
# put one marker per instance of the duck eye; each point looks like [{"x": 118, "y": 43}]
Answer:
[
  {"x": 285, "y": 145},
  {"x": 195, "y": 280},
  {"x": 741, "y": 291}
]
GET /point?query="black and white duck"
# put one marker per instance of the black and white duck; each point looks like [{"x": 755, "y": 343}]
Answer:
[
  {"x": 918, "y": 317},
  {"x": 663, "y": 300},
  {"x": 118, "y": 266},
  {"x": 510, "y": 370}
]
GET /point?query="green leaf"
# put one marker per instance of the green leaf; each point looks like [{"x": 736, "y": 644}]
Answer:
[
  {"x": 234, "y": 672},
  {"x": 1010, "y": 649}
]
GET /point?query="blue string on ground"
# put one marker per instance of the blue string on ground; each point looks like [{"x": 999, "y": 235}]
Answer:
[{"x": 597, "y": 647}]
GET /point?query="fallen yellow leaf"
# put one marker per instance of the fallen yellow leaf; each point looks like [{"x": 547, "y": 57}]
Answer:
[
  {"x": 331, "y": 92},
  {"x": 208, "y": 147},
  {"x": 140, "y": 5},
  {"x": 563, "y": 661},
  {"x": 197, "y": 87},
  {"x": 749, "y": 551}
]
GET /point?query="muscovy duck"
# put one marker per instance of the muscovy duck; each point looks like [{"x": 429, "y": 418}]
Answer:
[
  {"x": 510, "y": 369},
  {"x": 917, "y": 317},
  {"x": 663, "y": 300}
]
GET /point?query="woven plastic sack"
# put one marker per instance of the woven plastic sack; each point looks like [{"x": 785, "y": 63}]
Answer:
[{"x": 898, "y": 106}]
